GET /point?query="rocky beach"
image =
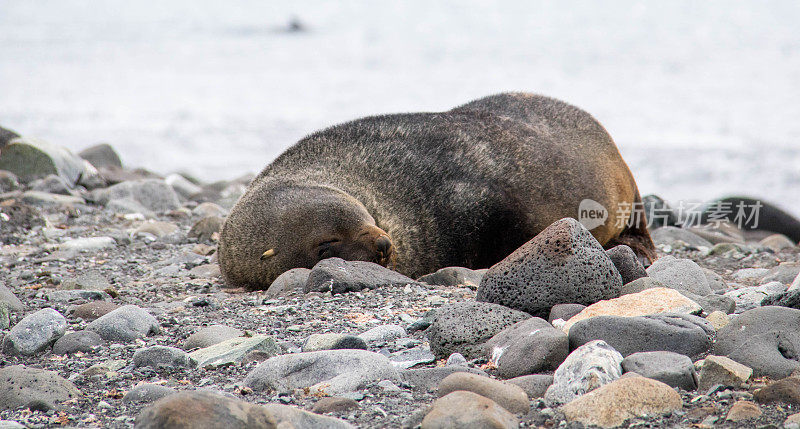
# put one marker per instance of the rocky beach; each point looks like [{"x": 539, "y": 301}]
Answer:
[{"x": 114, "y": 314}]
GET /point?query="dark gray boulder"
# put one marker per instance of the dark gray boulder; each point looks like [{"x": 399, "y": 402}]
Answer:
[
  {"x": 562, "y": 264},
  {"x": 628, "y": 265},
  {"x": 671, "y": 368},
  {"x": 336, "y": 275},
  {"x": 527, "y": 347},
  {"x": 454, "y": 276}
]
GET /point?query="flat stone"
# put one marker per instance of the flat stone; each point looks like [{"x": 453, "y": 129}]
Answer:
[
  {"x": 147, "y": 393},
  {"x": 93, "y": 310},
  {"x": 683, "y": 275},
  {"x": 77, "y": 295},
  {"x": 155, "y": 229},
  {"x": 334, "y": 404},
  {"x": 743, "y": 410},
  {"x": 454, "y": 276},
  {"x": 153, "y": 194},
  {"x": 628, "y": 397},
  {"x": 334, "y": 372},
  {"x": 316, "y": 342},
  {"x": 527, "y": 347},
  {"x": 382, "y": 334},
  {"x": 125, "y": 324},
  {"x": 562, "y": 264},
  {"x": 785, "y": 391},
  {"x": 87, "y": 280},
  {"x": 672, "y": 369},
  {"x": 462, "y": 409},
  {"x": 80, "y": 341},
  {"x": 785, "y": 273},
  {"x": 644, "y": 303},
  {"x": 35, "y": 333},
  {"x": 670, "y": 235},
  {"x": 765, "y": 339},
  {"x": 627, "y": 263},
  {"x": 564, "y": 312},
  {"x": 21, "y": 386},
  {"x": 750, "y": 274},
  {"x": 722, "y": 370},
  {"x": 680, "y": 333},
  {"x": 162, "y": 357},
  {"x": 339, "y": 276},
  {"x": 46, "y": 199},
  {"x": 748, "y": 298},
  {"x": 585, "y": 369},
  {"x": 427, "y": 379},
  {"x": 187, "y": 410},
  {"x": 233, "y": 350},
  {"x": 88, "y": 244},
  {"x": 534, "y": 385},
  {"x": 101, "y": 155},
  {"x": 290, "y": 281},
  {"x": 464, "y": 327},
  {"x": 507, "y": 395},
  {"x": 408, "y": 358}
]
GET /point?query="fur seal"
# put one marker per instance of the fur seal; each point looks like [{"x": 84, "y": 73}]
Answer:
[{"x": 421, "y": 191}]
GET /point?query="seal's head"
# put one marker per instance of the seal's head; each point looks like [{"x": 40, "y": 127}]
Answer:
[{"x": 276, "y": 227}]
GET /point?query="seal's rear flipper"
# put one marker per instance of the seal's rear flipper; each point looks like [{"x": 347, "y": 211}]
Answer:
[{"x": 636, "y": 236}]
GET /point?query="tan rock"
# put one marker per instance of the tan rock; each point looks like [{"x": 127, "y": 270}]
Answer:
[
  {"x": 777, "y": 242},
  {"x": 718, "y": 319},
  {"x": 198, "y": 409},
  {"x": 722, "y": 370},
  {"x": 507, "y": 395},
  {"x": 632, "y": 396},
  {"x": 649, "y": 301},
  {"x": 743, "y": 410},
  {"x": 462, "y": 409},
  {"x": 793, "y": 419}
]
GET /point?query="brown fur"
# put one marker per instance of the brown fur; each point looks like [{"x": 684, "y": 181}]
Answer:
[{"x": 464, "y": 187}]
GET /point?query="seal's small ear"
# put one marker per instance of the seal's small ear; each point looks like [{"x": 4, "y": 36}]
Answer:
[{"x": 268, "y": 254}]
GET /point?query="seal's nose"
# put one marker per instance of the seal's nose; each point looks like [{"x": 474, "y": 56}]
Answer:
[{"x": 384, "y": 245}]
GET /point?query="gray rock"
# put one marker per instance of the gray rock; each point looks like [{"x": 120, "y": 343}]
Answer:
[
  {"x": 182, "y": 186},
  {"x": 44, "y": 199},
  {"x": 456, "y": 359},
  {"x": 411, "y": 357},
  {"x": 147, "y": 393},
  {"x": 125, "y": 324},
  {"x": 5, "y": 316},
  {"x": 682, "y": 275},
  {"x": 765, "y": 339},
  {"x": 333, "y": 372},
  {"x": 339, "y": 276},
  {"x": 427, "y": 379},
  {"x": 80, "y": 341},
  {"x": 534, "y": 385},
  {"x": 153, "y": 194},
  {"x": 709, "y": 303},
  {"x": 722, "y": 370},
  {"x": 564, "y": 311},
  {"x": 101, "y": 156},
  {"x": 585, "y": 369},
  {"x": 785, "y": 273},
  {"x": 21, "y": 386},
  {"x": 128, "y": 206},
  {"x": 641, "y": 284},
  {"x": 715, "y": 281},
  {"x": 88, "y": 244},
  {"x": 8, "y": 181},
  {"x": 35, "y": 333},
  {"x": 507, "y": 395},
  {"x": 93, "y": 310},
  {"x": 205, "y": 228},
  {"x": 317, "y": 342},
  {"x": 290, "y": 281},
  {"x": 670, "y": 235},
  {"x": 51, "y": 184},
  {"x": 454, "y": 276},
  {"x": 747, "y": 298},
  {"x": 680, "y": 333},
  {"x": 291, "y": 417},
  {"x": 777, "y": 242},
  {"x": 162, "y": 357},
  {"x": 186, "y": 410},
  {"x": 673, "y": 369},
  {"x": 562, "y": 264},
  {"x": 233, "y": 351},
  {"x": 31, "y": 159},
  {"x": 77, "y": 294},
  {"x": 8, "y": 297},
  {"x": 790, "y": 298},
  {"x": 750, "y": 274},
  {"x": 626, "y": 262},
  {"x": 527, "y": 347},
  {"x": 210, "y": 335},
  {"x": 334, "y": 404},
  {"x": 382, "y": 334},
  {"x": 10, "y": 424},
  {"x": 464, "y": 327},
  {"x": 209, "y": 209}
]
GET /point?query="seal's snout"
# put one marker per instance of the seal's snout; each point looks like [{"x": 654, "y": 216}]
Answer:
[{"x": 384, "y": 246}]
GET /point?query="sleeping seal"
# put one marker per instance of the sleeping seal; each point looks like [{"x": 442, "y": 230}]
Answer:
[{"x": 422, "y": 191}]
